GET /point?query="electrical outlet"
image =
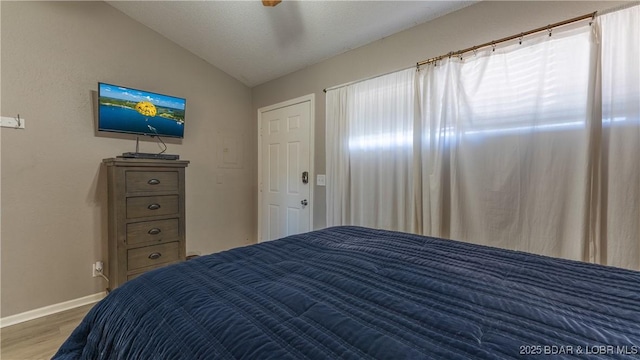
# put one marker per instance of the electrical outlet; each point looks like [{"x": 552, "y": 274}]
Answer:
[{"x": 97, "y": 268}]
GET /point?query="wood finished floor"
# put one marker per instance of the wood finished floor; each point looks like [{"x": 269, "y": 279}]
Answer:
[{"x": 39, "y": 338}]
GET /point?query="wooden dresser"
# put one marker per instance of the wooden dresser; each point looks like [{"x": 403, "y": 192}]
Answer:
[{"x": 146, "y": 216}]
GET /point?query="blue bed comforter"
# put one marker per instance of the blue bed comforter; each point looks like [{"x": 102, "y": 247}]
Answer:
[{"x": 357, "y": 293}]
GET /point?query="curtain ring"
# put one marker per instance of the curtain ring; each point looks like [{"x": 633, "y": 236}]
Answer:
[
  {"x": 493, "y": 45},
  {"x": 475, "y": 51},
  {"x": 521, "y": 37},
  {"x": 550, "y": 30}
]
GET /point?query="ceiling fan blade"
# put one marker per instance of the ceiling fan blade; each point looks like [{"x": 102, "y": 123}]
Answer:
[{"x": 271, "y": 3}]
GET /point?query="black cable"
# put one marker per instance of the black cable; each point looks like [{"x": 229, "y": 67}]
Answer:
[{"x": 163, "y": 144}]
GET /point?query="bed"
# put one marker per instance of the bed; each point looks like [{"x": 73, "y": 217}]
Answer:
[{"x": 359, "y": 293}]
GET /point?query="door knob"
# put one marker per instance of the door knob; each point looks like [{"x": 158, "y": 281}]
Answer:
[{"x": 304, "y": 202}]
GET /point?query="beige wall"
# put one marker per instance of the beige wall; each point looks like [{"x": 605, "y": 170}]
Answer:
[
  {"x": 476, "y": 24},
  {"x": 53, "y": 188}
]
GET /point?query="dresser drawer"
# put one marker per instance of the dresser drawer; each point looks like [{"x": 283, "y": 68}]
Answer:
[
  {"x": 145, "y": 181},
  {"x": 143, "y": 206},
  {"x": 136, "y": 273},
  {"x": 152, "y": 255},
  {"x": 156, "y": 231},
  {"x": 131, "y": 277}
]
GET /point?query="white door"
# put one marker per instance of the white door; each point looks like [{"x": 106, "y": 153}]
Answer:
[{"x": 285, "y": 179}]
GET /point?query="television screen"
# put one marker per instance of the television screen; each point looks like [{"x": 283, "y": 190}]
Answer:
[{"x": 126, "y": 110}]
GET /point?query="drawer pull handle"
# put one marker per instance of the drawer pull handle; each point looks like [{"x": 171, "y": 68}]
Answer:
[
  {"x": 155, "y": 256},
  {"x": 153, "y": 182},
  {"x": 154, "y": 231},
  {"x": 153, "y": 207}
]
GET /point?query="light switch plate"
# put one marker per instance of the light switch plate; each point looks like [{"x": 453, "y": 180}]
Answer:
[
  {"x": 321, "y": 180},
  {"x": 10, "y": 122}
]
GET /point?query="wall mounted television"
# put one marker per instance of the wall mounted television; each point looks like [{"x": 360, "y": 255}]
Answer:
[{"x": 126, "y": 110}]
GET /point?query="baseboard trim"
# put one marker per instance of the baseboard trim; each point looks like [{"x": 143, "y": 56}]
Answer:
[{"x": 50, "y": 310}]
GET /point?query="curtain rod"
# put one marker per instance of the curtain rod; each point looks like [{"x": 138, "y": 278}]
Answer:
[
  {"x": 477, "y": 47},
  {"x": 365, "y": 79},
  {"x": 508, "y": 38}
]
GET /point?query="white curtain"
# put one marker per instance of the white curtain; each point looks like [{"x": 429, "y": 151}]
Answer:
[
  {"x": 505, "y": 145},
  {"x": 369, "y": 153},
  {"x": 620, "y": 201},
  {"x": 534, "y": 146},
  {"x": 337, "y": 157}
]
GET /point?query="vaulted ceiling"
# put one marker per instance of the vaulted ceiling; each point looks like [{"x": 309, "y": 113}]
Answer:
[{"x": 256, "y": 44}]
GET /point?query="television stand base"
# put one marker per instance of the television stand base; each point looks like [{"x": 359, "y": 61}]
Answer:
[{"x": 139, "y": 155}]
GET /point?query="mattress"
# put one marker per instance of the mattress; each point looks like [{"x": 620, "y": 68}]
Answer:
[{"x": 359, "y": 293}]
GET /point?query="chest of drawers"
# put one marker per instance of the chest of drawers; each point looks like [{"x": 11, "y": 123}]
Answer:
[{"x": 146, "y": 216}]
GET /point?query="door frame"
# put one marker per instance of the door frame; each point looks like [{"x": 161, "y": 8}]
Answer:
[{"x": 311, "y": 98}]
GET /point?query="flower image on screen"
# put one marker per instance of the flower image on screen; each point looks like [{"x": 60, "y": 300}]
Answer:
[{"x": 134, "y": 111}]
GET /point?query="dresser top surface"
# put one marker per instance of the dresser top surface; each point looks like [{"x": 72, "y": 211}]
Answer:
[{"x": 144, "y": 162}]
